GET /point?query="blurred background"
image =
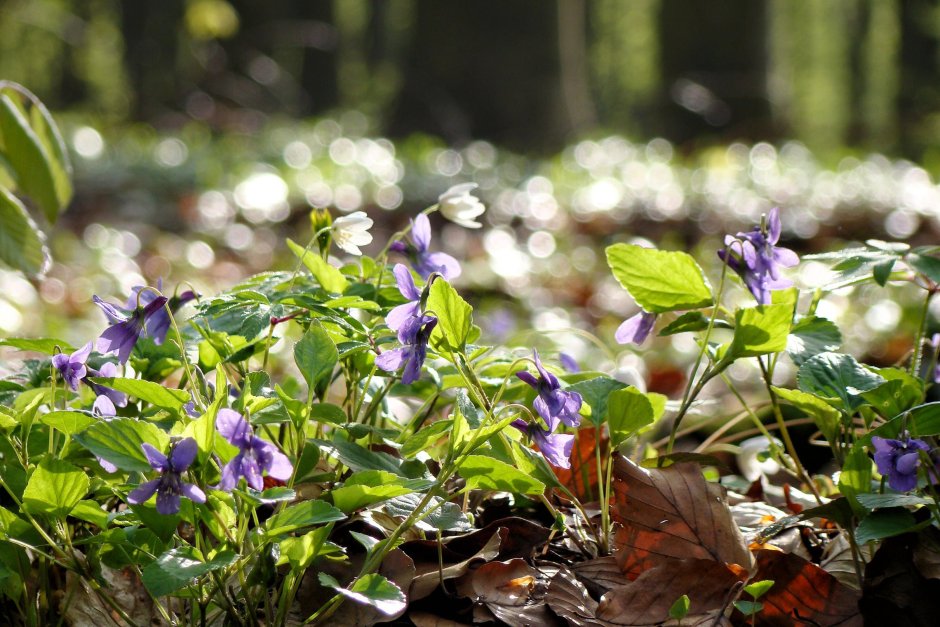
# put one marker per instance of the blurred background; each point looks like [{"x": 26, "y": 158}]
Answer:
[{"x": 202, "y": 132}]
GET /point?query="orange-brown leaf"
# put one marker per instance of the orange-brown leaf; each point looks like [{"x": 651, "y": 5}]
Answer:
[
  {"x": 671, "y": 513},
  {"x": 803, "y": 593},
  {"x": 581, "y": 479}
]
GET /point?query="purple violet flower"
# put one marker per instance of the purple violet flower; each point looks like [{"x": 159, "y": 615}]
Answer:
[
  {"x": 169, "y": 486},
  {"x": 108, "y": 370},
  {"x": 406, "y": 285},
  {"x": 425, "y": 263},
  {"x": 158, "y": 324},
  {"x": 636, "y": 328},
  {"x": 552, "y": 403},
  {"x": 125, "y": 329},
  {"x": 898, "y": 460},
  {"x": 255, "y": 456},
  {"x": 757, "y": 259},
  {"x": 569, "y": 363},
  {"x": 72, "y": 367},
  {"x": 414, "y": 334},
  {"x": 555, "y": 447}
]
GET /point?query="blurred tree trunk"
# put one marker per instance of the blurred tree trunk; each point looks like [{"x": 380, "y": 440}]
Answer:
[
  {"x": 151, "y": 39},
  {"x": 485, "y": 69},
  {"x": 713, "y": 69},
  {"x": 881, "y": 73}
]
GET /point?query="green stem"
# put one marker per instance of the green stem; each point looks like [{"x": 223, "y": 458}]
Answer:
[{"x": 921, "y": 332}]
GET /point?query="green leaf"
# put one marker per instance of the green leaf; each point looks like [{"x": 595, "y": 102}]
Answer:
[
  {"x": 760, "y": 330},
  {"x": 812, "y": 336},
  {"x": 468, "y": 410},
  {"x": 885, "y": 523},
  {"x": 316, "y": 355},
  {"x": 68, "y": 422},
  {"x": 367, "y": 487},
  {"x": 882, "y": 271},
  {"x": 119, "y": 442},
  {"x": 876, "y": 501},
  {"x": 328, "y": 412},
  {"x": 749, "y": 608},
  {"x": 629, "y": 410},
  {"x": 855, "y": 477},
  {"x": 157, "y": 395},
  {"x": 659, "y": 280},
  {"x": 54, "y": 488},
  {"x": 680, "y": 608},
  {"x": 32, "y": 163},
  {"x": 925, "y": 264},
  {"x": 39, "y": 345},
  {"x": 920, "y": 421},
  {"x": 692, "y": 321},
  {"x": 759, "y": 588},
  {"x": 300, "y": 552},
  {"x": 837, "y": 376},
  {"x": 90, "y": 511},
  {"x": 898, "y": 394},
  {"x": 454, "y": 316},
  {"x": 486, "y": 473},
  {"x": 360, "y": 458},
  {"x": 303, "y": 514},
  {"x": 22, "y": 244},
  {"x": 425, "y": 437},
  {"x": 824, "y": 415},
  {"x": 179, "y": 567},
  {"x": 595, "y": 393},
  {"x": 437, "y": 514},
  {"x": 374, "y": 590},
  {"x": 330, "y": 278}
]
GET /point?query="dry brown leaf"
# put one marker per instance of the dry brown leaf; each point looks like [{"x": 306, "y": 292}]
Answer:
[
  {"x": 568, "y": 598},
  {"x": 87, "y": 610},
  {"x": 600, "y": 574},
  {"x": 426, "y": 619},
  {"x": 803, "y": 592},
  {"x": 671, "y": 513},
  {"x": 646, "y": 601},
  {"x": 513, "y": 591},
  {"x": 398, "y": 568}
]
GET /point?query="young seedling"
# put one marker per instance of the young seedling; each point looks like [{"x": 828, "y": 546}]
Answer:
[{"x": 756, "y": 590}]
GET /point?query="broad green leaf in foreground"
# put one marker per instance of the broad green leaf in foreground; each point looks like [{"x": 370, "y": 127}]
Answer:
[
  {"x": 760, "y": 330},
  {"x": 812, "y": 336},
  {"x": 659, "y": 280},
  {"x": 119, "y": 442},
  {"x": 68, "y": 422},
  {"x": 54, "y": 488},
  {"x": 454, "y": 317},
  {"x": 315, "y": 355},
  {"x": 629, "y": 410}
]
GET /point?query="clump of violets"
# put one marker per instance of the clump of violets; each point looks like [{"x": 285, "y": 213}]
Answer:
[
  {"x": 169, "y": 486},
  {"x": 422, "y": 259},
  {"x": 555, "y": 406},
  {"x": 255, "y": 457},
  {"x": 898, "y": 460},
  {"x": 757, "y": 259},
  {"x": 552, "y": 403},
  {"x": 126, "y": 328},
  {"x": 413, "y": 334},
  {"x": 636, "y": 328}
]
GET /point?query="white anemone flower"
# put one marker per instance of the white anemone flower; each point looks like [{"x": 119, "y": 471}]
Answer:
[
  {"x": 352, "y": 231},
  {"x": 458, "y": 205}
]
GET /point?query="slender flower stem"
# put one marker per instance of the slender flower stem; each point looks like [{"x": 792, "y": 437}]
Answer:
[{"x": 919, "y": 338}]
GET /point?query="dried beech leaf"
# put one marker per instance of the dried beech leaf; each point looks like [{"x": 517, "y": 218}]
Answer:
[
  {"x": 505, "y": 583},
  {"x": 398, "y": 568},
  {"x": 646, "y": 601},
  {"x": 568, "y": 598},
  {"x": 600, "y": 574},
  {"x": 672, "y": 513},
  {"x": 896, "y": 591},
  {"x": 803, "y": 593},
  {"x": 927, "y": 553}
]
